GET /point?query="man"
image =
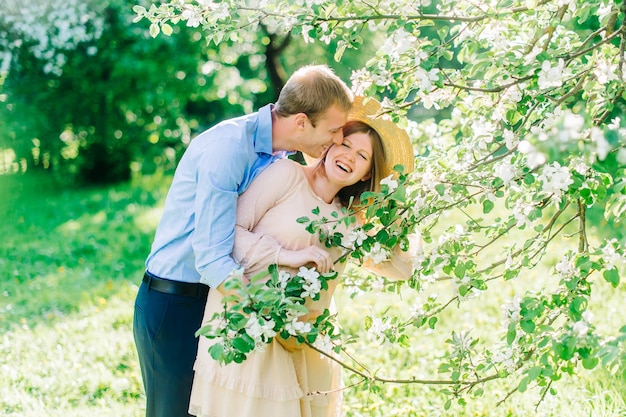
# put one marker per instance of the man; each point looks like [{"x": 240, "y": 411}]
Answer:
[{"x": 194, "y": 239}]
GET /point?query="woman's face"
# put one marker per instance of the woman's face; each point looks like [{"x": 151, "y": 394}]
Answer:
[{"x": 350, "y": 162}]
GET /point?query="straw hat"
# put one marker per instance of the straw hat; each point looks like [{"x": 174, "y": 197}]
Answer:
[{"x": 396, "y": 142}]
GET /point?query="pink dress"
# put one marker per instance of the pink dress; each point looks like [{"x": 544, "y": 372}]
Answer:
[{"x": 275, "y": 382}]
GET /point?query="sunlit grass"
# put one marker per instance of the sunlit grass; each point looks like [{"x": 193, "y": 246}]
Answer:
[
  {"x": 587, "y": 394},
  {"x": 70, "y": 263}
]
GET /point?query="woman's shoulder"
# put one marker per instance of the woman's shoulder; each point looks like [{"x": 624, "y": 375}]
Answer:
[
  {"x": 285, "y": 166},
  {"x": 283, "y": 173}
]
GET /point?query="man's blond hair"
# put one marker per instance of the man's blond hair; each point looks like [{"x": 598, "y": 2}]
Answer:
[{"x": 312, "y": 90}]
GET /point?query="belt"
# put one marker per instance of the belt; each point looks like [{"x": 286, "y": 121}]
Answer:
[{"x": 168, "y": 286}]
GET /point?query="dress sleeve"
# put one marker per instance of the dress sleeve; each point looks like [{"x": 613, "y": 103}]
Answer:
[
  {"x": 399, "y": 266},
  {"x": 256, "y": 251}
]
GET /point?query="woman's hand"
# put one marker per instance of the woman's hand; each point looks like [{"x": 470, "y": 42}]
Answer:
[{"x": 312, "y": 254}]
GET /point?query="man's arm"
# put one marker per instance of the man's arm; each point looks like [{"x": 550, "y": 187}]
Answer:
[{"x": 219, "y": 171}]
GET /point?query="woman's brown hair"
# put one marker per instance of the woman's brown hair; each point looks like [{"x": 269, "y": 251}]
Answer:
[{"x": 377, "y": 170}]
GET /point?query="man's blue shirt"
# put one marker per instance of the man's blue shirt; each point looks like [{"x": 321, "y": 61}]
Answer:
[{"x": 194, "y": 239}]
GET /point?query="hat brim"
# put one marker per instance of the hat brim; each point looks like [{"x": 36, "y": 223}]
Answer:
[{"x": 395, "y": 140}]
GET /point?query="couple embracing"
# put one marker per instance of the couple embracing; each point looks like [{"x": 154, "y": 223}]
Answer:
[{"x": 232, "y": 207}]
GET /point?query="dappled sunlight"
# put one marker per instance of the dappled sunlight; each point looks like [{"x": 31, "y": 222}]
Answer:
[
  {"x": 147, "y": 220},
  {"x": 89, "y": 359},
  {"x": 8, "y": 162},
  {"x": 74, "y": 225}
]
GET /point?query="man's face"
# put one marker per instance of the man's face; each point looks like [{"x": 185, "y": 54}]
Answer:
[{"x": 317, "y": 139}]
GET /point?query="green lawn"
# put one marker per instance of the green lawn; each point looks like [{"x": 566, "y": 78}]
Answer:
[{"x": 70, "y": 262}]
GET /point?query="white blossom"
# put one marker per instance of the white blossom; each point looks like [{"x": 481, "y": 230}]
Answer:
[
  {"x": 580, "y": 166},
  {"x": 283, "y": 278},
  {"x": 192, "y": 18},
  {"x": 378, "y": 328},
  {"x": 361, "y": 81},
  {"x": 614, "y": 124},
  {"x": 312, "y": 284},
  {"x": 324, "y": 343},
  {"x": 509, "y": 139},
  {"x": 398, "y": 43},
  {"x": 602, "y": 145},
  {"x": 417, "y": 310},
  {"x": 426, "y": 78},
  {"x": 505, "y": 356},
  {"x": 521, "y": 211},
  {"x": 416, "y": 244},
  {"x": 534, "y": 158},
  {"x": 355, "y": 236},
  {"x": 513, "y": 94},
  {"x": 377, "y": 253},
  {"x": 378, "y": 284},
  {"x": 455, "y": 235},
  {"x": 512, "y": 309},
  {"x": 605, "y": 71},
  {"x": 581, "y": 328},
  {"x": 296, "y": 327},
  {"x": 550, "y": 76},
  {"x": 565, "y": 267},
  {"x": 260, "y": 329},
  {"x": 505, "y": 170},
  {"x": 389, "y": 182},
  {"x": 532, "y": 56},
  {"x": 483, "y": 132},
  {"x": 604, "y": 10},
  {"x": 610, "y": 255},
  {"x": 556, "y": 179}
]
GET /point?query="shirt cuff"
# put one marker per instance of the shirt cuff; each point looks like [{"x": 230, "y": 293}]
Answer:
[{"x": 212, "y": 281}]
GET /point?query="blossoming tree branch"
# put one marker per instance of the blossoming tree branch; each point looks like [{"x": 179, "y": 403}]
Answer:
[{"x": 533, "y": 138}]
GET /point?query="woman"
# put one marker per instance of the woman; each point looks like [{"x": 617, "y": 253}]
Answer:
[{"x": 300, "y": 383}]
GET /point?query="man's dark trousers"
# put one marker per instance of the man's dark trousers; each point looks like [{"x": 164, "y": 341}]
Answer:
[{"x": 164, "y": 328}]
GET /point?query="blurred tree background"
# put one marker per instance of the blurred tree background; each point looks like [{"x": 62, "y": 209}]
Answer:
[{"x": 90, "y": 97}]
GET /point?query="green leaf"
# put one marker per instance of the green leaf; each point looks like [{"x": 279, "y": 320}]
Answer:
[
  {"x": 511, "y": 334},
  {"x": 341, "y": 48},
  {"x": 612, "y": 277},
  {"x": 527, "y": 325},
  {"x": 455, "y": 376},
  {"x": 167, "y": 29},
  {"x": 523, "y": 384},
  {"x": 534, "y": 372},
  {"x": 242, "y": 344},
  {"x": 487, "y": 206},
  {"x": 459, "y": 270},
  {"x": 441, "y": 189},
  {"x": 154, "y": 30},
  {"x": 303, "y": 219},
  {"x": 367, "y": 322},
  {"x": 216, "y": 351},
  {"x": 590, "y": 363}
]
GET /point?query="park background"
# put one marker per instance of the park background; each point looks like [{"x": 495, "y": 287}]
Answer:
[{"x": 89, "y": 139}]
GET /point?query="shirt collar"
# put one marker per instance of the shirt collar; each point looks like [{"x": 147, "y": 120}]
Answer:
[{"x": 263, "y": 142}]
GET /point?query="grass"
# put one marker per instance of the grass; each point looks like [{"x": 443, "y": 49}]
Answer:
[{"x": 70, "y": 262}]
